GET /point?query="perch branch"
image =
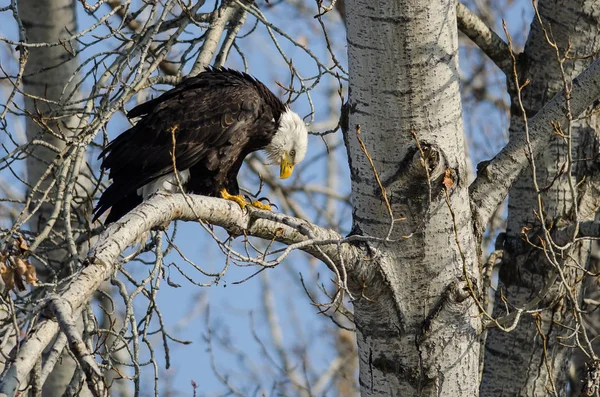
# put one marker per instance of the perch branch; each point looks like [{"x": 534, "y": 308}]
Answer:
[{"x": 104, "y": 257}]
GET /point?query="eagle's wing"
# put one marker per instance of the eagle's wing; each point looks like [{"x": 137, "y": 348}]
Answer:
[
  {"x": 202, "y": 115},
  {"x": 211, "y": 79}
]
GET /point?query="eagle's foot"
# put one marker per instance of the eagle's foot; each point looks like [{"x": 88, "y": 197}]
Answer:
[
  {"x": 238, "y": 199},
  {"x": 261, "y": 206}
]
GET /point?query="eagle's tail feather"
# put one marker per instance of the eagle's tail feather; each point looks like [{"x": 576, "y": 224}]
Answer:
[
  {"x": 122, "y": 207},
  {"x": 120, "y": 200}
]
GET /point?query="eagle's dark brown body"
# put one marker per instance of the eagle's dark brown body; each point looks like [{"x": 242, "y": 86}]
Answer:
[{"x": 218, "y": 117}]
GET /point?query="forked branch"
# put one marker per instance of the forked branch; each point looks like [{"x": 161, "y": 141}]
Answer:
[
  {"x": 486, "y": 39},
  {"x": 494, "y": 181}
]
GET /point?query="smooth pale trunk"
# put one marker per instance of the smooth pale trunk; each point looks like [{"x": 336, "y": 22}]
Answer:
[{"x": 417, "y": 333}]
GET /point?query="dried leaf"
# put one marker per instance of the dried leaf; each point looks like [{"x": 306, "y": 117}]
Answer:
[
  {"x": 7, "y": 277},
  {"x": 23, "y": 245},
  {"x": 448, "y": 182},
  {"x": 31, "y": 275},
  {"x": 21, "y": 266}
]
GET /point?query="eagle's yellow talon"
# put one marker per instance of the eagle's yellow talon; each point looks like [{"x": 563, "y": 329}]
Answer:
[
  {"x": 261, "y": 205},
  {"x": 238, "y": 199}
]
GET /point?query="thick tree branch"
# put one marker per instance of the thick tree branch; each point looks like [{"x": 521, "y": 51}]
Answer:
[
  {"x": 102, "y": 259},
  {"x": 485, "y": 38},
  {"x": 236, "y": 23},
  {"x": 495, "y": 179},
  {"x": 15, "y": 376},
  {"x": 218, "y": 212}
]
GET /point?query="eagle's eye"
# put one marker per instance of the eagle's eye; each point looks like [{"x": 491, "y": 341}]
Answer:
[{"x": 292, "y": 153}]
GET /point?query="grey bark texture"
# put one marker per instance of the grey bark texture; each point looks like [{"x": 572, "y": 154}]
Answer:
[
  {"x": 533, "y": 360},
  {"x": 417, "y": 332}
]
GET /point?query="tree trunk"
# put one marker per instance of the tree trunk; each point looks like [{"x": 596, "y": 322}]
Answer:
[
  {"x": 49, "y": 82},
  {"x": 47, "y": 74},
  {"x": 417, "y": 328},
  {"x": 533, "y": 359}
]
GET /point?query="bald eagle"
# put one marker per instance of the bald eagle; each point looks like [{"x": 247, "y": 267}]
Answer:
[{"x": 211, "y": 122}]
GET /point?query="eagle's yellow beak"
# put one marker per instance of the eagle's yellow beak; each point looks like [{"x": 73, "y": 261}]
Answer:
[{"x": 287, "y": 167}]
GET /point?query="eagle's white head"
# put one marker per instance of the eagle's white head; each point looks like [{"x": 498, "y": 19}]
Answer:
[{"x": 288, "y": 146}]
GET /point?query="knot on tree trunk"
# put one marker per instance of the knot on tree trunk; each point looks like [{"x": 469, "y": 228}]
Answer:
[
  {"x": 426, "y": 162},
  {"x": 417, "y": 183}
]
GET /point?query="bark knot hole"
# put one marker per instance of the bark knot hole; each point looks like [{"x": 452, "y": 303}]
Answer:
[
  {"x": 426, "y": 162},
  {"x": 461, "y": 291}
]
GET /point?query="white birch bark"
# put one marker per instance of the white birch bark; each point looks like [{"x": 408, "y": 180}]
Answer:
[
  {"x": 416, "y": 327},
  {"x": 47, "y": 73}
]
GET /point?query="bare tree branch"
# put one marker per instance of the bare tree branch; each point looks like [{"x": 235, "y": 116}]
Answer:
[
  {"x": 103, "y": 258},
  {"x": 64, "y": 314},
  {"x": 481, "y": 34},
  {"x": 495, "y": 179},
  {"x": 136, "y": 26},
  {"x": 213, "y": 36}
]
